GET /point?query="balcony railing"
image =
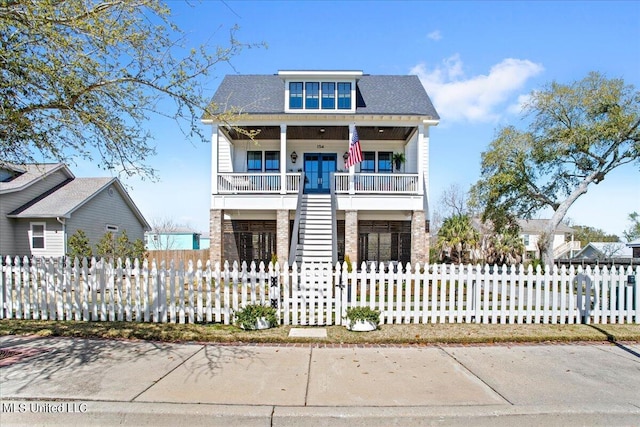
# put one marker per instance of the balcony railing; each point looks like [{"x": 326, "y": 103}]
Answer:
[
  {"x": 388, "y": 183},
  {"x": 236, "y": 183},
  {"x": 362, "y": 183}
]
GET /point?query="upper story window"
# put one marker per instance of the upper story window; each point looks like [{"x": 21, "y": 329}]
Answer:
[
  {"x": 254, "y": 161},
  {"x": 344, "y": 96},
  {"x": 312, "y": 96},
  {"x": 384, "y": 162},
  {"x": 272, "y": 161},
  {"x": 320, "y": 93},
  {"x": 295, "y": 95},
  {"x": 328, "y": 96},
  {"x": 368, "y": 163}
]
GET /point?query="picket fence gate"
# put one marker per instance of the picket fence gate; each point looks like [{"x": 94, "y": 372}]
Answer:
[{"x": 315, "y": 294}]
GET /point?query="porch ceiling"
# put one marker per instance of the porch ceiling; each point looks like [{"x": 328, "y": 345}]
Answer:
[{"x": 328, "y": 132}]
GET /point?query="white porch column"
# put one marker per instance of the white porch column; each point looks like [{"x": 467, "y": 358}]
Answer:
[
  {"x": 421, "y": 153},
  {"x": 352, "y": 168},
  {"x": 283, "y": 159},
  {"x": 214, "y": 159}
]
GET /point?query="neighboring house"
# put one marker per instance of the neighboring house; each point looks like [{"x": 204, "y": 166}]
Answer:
[
  {"x": 42, "y": 205},
  {"x": 288, "y": 192},
  {"x": 563, "y": 244},
  {"x": 205, "y": 241},
  {"x": 179, "y": 238},
  {"x": 605, "y": 250},
  {"x": 635, "y": 247}
]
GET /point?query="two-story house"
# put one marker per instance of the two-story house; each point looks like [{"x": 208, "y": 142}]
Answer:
[{"x": 286, "y": 191}]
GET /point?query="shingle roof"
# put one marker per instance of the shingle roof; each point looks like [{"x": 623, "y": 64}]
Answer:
[
  {"x": 376, "y": 94},
  {"x": 32, "y": 173},
  {"x": 612, "y": 249},
  {"x": 64, "y": 199},
  {"x": 536, "y": 226}
]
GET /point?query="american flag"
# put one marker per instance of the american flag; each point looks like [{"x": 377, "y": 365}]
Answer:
[{"x": 355, "y": 152}]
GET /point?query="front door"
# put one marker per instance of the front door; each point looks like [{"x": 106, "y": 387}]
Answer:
[{"x": 318, "y": 168}]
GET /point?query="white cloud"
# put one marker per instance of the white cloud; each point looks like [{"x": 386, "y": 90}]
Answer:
[
  {"x": 478, "y": 98},
  {"x": 435, "y": 35}
]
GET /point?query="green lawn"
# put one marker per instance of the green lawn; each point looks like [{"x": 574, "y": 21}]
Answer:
[{"x": 455, "y": 333}]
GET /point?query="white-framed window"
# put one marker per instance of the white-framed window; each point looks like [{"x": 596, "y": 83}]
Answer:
[
  {"x": 111, "y": 228},
  {"x": 320, "y": 95},
  {"x": 38, "y": 230}
]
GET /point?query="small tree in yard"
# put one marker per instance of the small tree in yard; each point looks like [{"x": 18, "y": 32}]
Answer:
[
  {"x": 106, "y": 247},
  {"x": 126, "y": 249},
  {"x": 579, "y": 133},
  {"x": 110, "y": 247},
  {"x": 79, "y": 246}
]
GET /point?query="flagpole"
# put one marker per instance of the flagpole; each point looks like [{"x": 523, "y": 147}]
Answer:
[{"x": 352, "y": 168}]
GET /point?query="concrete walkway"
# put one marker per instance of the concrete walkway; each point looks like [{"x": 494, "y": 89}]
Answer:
[{"x": 63, "y": 381}]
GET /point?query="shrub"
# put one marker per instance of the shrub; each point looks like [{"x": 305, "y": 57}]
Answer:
[
  {"x": 247, "y": 316},
  {"x": 78, "y": 246},
  {"x": 355, "y": 314}
]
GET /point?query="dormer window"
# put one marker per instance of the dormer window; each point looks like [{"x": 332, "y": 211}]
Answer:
[
  {"x": 328, "y": 96},
  {"x": 295, "y": 95},
  {"x": 344, "y": 96},
  {"x": 320, "y": 96},
  {"x": 320, "y": 91},
  {"x": 312, "y": 96}
]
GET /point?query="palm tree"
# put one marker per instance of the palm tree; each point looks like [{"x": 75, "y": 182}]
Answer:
[{"x": 457, "y": 239}]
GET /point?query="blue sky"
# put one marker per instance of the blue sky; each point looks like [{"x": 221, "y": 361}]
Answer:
[{"x": 477, "y": 60}]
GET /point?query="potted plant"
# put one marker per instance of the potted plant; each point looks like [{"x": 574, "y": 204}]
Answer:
[
  {"x": 398, "y": 160},
  {"x": 256, "y": 316},
  {"x": 362, "y": 319}
]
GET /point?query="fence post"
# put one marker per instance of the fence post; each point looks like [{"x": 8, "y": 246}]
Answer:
[{"x": 274, "y": 288}]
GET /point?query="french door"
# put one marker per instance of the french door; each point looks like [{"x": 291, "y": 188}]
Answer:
[{"x": 317, "y": 172}]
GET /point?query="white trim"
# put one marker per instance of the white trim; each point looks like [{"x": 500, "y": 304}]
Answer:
[
  {"x": 111, "y": 228},
  {"x": 44, "y": 234},
  {"x": 320, "y": 74}
]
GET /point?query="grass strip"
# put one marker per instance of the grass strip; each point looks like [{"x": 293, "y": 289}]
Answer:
[{"x": 448, "y": 333}]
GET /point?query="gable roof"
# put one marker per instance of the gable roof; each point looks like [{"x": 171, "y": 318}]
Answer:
[
  {"x": 29, "y": 174},
  {"x": 375, "y": 94},
  {"x": 66, "y": 198},
  {"x": 536, "y": 226},
  {"x": 608, "y": 249}
]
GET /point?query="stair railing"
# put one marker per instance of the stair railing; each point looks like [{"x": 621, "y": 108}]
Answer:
[
  {"x": 296, "y": 223},
  {"x": 334, "y": 222}
]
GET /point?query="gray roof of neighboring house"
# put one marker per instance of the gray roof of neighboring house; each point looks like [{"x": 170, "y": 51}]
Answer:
[
  {"x": 634, "y": 243},
  {"x": 31, "y": 173},
  {"x": 610, "y": 249},
  {"x": 375, "y": 94},
  {"x": 63, "y": 200},
  {"x": 173, "y": 230},
  {"x": 536, "y": 226}
]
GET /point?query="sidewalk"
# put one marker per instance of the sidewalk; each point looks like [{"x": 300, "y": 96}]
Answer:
[{"x": 63, "y": 381}]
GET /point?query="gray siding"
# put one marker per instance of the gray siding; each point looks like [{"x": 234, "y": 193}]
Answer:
[
  {"x": 12, "y": 201},
  {"x": 53, "y": 238},
  {"x": 105, "y": 208}
]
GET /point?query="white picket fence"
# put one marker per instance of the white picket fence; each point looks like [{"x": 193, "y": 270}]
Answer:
[{"x": 315, "y": 294}]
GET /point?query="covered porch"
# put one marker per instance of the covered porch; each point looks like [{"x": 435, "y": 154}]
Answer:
[{"x": 280, "y": 159}]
